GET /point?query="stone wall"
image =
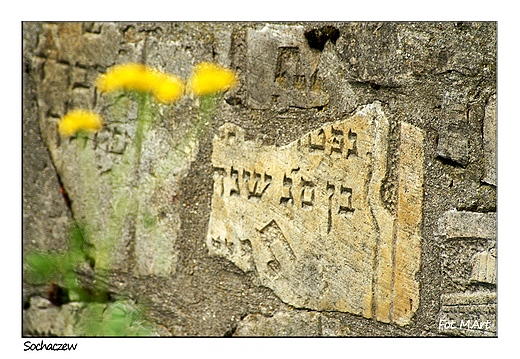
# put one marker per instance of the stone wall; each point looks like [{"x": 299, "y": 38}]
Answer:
[{"x": 345, "y": 187}]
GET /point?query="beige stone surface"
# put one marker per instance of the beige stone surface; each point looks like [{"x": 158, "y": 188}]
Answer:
[
  {"x": 309, "y": 219},
  {"x": 490, "y": 142},
  {"x": 45, "y": 319}
]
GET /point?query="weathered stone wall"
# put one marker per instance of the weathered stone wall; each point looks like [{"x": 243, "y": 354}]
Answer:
[{"x": 346, "y": 186}]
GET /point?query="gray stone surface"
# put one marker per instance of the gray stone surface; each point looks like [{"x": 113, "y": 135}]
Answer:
[
  {"x": 438, "y": 77},
  {"x": 453, "y": 139},
  {"x": 291, "y": 323},
  {"x": 463, "y": 224},
  {"x": 45, "y": 215}
]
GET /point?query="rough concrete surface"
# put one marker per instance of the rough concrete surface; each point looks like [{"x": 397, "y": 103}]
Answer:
[{"x": 354, "y": 194}]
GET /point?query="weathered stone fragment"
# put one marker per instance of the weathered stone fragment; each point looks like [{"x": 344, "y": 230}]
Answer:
[
  {"x": 490, "y": 142},
  {"x": 484, "y": 267},
  {"x": 282, "y": 69},
  {"x": 461, "y": 224},
  {"x": 308, "y": 218},
  {"x": 122, "y": 189},
  {"x": 453, "y": 139},
  {"x": 44, "y": 318},
  {"x": 468, "y": 314},
  {"x": 291, "y": 323}
]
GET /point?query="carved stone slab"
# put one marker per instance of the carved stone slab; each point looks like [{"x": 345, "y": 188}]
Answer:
[{"x": 309, "y": 219}]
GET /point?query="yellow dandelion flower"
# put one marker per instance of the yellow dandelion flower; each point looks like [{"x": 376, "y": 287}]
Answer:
[
  {"x": 128, "y": 76},
  {"x": 77, "y": 120},
  {"x": 138, "y": 77},
  {"x": 168, "y": 88},
  {"x": 210, "y": 78}
]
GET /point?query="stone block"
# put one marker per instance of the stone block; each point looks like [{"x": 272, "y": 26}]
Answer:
[
  {"x": 484, "y": 267},
  {"x": 309, "y": 220},
  {"x": 453, "y": 142},
  {"x": 282, "y": 69},
  {"x": 462, "y": 224}
]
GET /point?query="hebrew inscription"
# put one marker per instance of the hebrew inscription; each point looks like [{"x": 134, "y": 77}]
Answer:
[{"x": 309, "y": 219}]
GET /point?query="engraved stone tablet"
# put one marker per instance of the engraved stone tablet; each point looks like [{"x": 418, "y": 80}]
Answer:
[{"x": 310, "y": 220}]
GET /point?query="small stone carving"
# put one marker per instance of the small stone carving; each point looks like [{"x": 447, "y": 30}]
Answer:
[{"x": 282, "y": 69}]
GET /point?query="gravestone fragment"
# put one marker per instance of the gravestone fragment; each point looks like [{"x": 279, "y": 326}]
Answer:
[
  {"x": 469, "y": 314},
  {"x": 484, "y": 267},
  {"x": 309, "y": 219},
  {"x": 474, "y": 313},
  {"x": 282, "y": 69},
  {"x": 453, "y": 145},
  {"x": 125, "y": 197},
  {"x": 463, "y": 224}
]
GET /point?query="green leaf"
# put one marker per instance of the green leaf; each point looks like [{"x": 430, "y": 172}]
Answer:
[{"x": 45, "y": 267}]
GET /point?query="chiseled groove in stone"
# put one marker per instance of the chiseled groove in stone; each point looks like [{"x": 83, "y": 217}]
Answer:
[
  {"x": 384, "y": 222},
  {"x": 319, "y": 233},
  {"x": 394, "y": 266},
  {"x": 376, "y": 304}
]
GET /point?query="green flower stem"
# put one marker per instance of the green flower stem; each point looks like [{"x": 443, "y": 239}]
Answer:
[
  {"x": 144, "y": 120},
  {"x": 207, "y": 105},
  {"x": 190, "y": 141},
  {"x": 123, "y": 176}
]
